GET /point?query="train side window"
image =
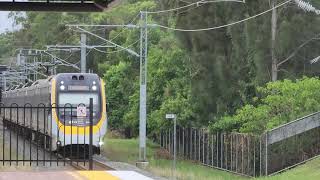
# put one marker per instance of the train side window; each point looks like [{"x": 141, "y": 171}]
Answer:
[
  {"x": 81, "y": 77},
  {"x": 74, "y": 78}
]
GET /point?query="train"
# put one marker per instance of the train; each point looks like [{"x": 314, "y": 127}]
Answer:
[{"x": 54, "y": 112}]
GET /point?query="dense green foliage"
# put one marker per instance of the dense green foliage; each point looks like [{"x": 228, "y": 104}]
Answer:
[
  {"x": 277, "y": 103},
  {"x": 202, "y": 76}
]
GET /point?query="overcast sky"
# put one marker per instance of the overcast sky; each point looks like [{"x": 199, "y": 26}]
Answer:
[{"x": 5, "y": 22}]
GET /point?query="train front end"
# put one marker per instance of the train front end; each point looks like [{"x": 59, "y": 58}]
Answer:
[{"x": 71, "y": 94}]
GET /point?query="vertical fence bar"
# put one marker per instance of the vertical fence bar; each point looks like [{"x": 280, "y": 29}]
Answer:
[
  {"x": 212, "y": 149},
  {"x": 237, "y": 135},
  {"x": 242, "y": 155},
  {"x": 91, "y": 135},
  {"x": 84, "y": 141},
  {"x": 50, "y": 138},
  {"x": 161, "y": 138},
  {"x": 203, "y": 141},
  {"x": 10, "y": 135},
  {"x": 199, "y": 144},
  {"x": 248, "y": 147},
  {"x": 78, "y": 150},
  {"x": 24, "y": 134},
  {"x": 194, "y": 153},
  {"x": 208, "y": 145},
  {"x": 178, "y": 139},
  {"x": 30, "y": 139},
  {"x": 225, "y": 139},
  {"x": 266, "y": 158},
  {"x": 217, "y": 150},
  {"x": 254, "y": 157},
  {"x": 37, "y": 135},
  {"x": 64, "y": 135},
  {"x": 58, "y": 131},
  {"x": 17, "y": 135},
  {"x": 260, "y": 154},
  {"x": 3, "y": 136},
  {"x": 44, "y": 135},
  {"x": 231, "y": 150},
  {"x": 191, "y": 144},
  {"x": 165, "y": 140},
  {"x": 71, "y": 134},
  {"x": 183, "y": 148},
  {"x": 221, "y": 150},
  {"x": 169, "y": 145}
]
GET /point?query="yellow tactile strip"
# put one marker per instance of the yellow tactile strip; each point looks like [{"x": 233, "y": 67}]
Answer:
[
  {"x": 58, "y": 175},
  {"x": 96, "y": 175}
]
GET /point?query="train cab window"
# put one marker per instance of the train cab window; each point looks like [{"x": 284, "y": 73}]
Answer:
[
  {"x": 74, "y": 78},
  {"x": 81, "y": 77},
  {"x": 68, "y": 100}
]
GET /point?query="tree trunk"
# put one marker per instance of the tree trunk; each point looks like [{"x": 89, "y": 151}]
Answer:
[{"x": 274, "y": 68}]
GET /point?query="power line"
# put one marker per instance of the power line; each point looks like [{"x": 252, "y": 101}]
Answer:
[
  {"x": 110, "y": 52},
  {"x": 198, "y": 3},
  {"x": 222, "y": 26}
]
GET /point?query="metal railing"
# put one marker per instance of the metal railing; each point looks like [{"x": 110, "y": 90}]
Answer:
[
  {"x": 29, "y": 135},
  {"x": 245, "y": 154}
]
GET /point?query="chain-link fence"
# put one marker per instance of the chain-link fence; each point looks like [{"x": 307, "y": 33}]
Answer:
[{"x": 276, "y": 150}]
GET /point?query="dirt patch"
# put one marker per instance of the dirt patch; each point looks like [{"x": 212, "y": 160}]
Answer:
[
  {"x": 162, "y": 154},
  {"x": 115, "y": 134}
]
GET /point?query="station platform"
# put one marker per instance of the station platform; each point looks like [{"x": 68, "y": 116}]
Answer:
[{"x": 74, "y": 175}]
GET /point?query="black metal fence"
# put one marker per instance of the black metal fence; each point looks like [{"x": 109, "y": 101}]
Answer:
[
  {"x": 32, "y": 135},
  {"x": 243, "y": 153},
  {"x": 238, "y": 153}
]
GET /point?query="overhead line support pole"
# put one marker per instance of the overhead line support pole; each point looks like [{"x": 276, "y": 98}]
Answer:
[
  {"x": 83, "y": 64},
  {"x": 143, "y": 86}
]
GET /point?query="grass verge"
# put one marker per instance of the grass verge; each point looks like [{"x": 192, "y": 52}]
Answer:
[{"x": 126, "y": 150}]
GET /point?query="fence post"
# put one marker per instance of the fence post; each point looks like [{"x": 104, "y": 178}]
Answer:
[
  {"x": 266, "y": 160},
  {"x": 199, "y": 147},
  {"x": 260, "y": 149},
  {"x": 91, "y": 134},
  {"x": 183, "y": 142},
  {"x": 231, "y": 149}
]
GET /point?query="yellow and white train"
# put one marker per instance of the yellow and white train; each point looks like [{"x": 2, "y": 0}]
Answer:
[{"x": 55, "y": 111}]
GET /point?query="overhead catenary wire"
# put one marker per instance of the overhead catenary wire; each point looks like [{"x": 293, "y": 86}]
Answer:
[
  {"x": 116, "y": 36},
  {"x": 198, "y": 3},
  {"x": 221, "y": 26},
  {"x": 110, "y": 52}
]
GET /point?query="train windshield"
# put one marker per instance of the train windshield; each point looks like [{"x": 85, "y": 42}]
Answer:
[
  {"x": 76, "y": 99},
  {"x": 66, "y": 100}
]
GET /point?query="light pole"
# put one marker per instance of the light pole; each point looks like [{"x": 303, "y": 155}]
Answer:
[{"x": 174, "y": 118}]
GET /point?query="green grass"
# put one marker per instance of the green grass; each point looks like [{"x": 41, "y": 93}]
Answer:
[{"x": 126, "y": 150}]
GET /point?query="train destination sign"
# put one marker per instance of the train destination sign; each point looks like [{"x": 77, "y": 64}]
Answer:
[{"x": 78, "y": 88}]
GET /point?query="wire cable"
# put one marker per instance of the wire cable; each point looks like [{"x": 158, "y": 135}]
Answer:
[
  {"x": 110, "y": 52},
  {"x": 198, "y": 3},
  {"x": 222, "y": 26}
]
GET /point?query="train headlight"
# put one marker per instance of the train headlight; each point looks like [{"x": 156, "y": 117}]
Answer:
[
  {"x": 62, "y": 87},
  {"x": 101, "y": 143},
  {"x": 93, "y": 82},
  {"x": 61, "y": 82},
  {"x": 94, "y": 88}
]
